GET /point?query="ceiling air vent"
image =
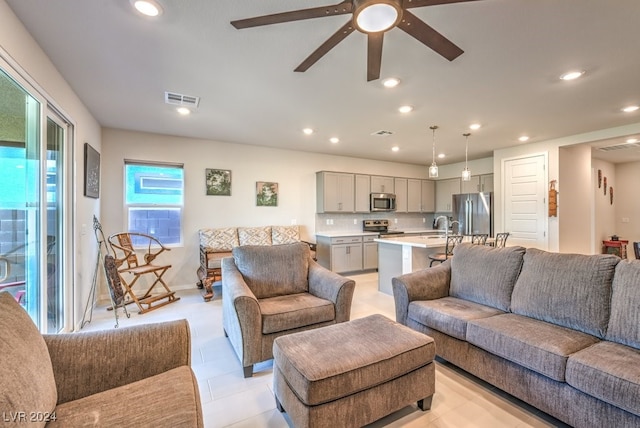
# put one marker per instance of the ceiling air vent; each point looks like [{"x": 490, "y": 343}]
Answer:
[
  {"x": 382, "y": 133},
  {"x": 620, "y": 147},
  {"x": 176, "y": 99}
]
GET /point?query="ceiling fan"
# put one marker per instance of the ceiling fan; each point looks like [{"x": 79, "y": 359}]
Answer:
[{"x": 372, "y": 17}]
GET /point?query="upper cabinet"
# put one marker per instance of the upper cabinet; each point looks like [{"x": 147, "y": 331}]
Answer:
[
  {"x": 380, "y": 184},
  {"x": 363, "y": 190},
  {"x": 445, "y": 189},
  {"x": 335, "y": 192},
  {"x": 427, "y": 196},
  {"x": 400, "y": 186},
  {"x": 478, "y": 183},
  {"x": 414, "y": 195}
]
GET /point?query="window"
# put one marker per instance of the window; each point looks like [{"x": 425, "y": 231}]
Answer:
[{"x": 154, "y": 195}]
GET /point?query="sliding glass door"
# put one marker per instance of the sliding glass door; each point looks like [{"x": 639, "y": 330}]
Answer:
[{"x": 32, "y": 197}]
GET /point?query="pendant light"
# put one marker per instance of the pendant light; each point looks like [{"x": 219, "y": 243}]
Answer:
[
  {"x": 433, "y": 169},
  {"x": 466, "y": 174}
]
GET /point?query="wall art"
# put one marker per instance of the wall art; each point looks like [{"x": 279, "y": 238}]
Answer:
[
  {"x": 91, "y": 172},
  {"x": 218, "y": 182},
  {"x": 266, "y": 194}
]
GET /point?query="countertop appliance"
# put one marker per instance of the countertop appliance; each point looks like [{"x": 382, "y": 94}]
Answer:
[
  {"x": 383, "y": 202},
  {"x": 474, "y": 212},
  {"x": 380, "y": 226}
]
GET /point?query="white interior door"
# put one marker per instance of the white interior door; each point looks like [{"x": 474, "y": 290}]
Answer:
[{"x": 525, "y": 190}]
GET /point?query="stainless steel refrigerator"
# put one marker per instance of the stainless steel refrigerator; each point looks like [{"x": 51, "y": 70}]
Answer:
[{"x": 474, "y": 212}]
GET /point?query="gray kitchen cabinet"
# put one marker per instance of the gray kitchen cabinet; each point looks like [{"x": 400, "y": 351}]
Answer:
[
  {"x": 400, "y": 186},
  {"x": 427, "y": 196},
  {"x": 370, "y": 253},
  {"x": 340, "y": 253},
  {"x": 380, "y": 184},
  {"x": 478, "y": 183},
  {"x": 335, "y": 192},
  {"x": 445, "y": 189},
  {"x": 414, "y": 195},
  {"x": 363, "y": 191}
]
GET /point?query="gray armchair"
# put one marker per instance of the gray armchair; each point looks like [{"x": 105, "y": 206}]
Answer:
[{"x": 270, "y": 291}]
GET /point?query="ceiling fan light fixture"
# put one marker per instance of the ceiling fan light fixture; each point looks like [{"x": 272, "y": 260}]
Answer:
[{"x": 373, "y": 16}]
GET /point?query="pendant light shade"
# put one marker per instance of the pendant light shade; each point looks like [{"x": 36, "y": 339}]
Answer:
[
  {"x": 466, "y": 174},
  {"x": 433, "y": 169}
]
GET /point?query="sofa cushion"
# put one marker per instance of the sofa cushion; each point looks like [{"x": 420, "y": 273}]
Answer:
[
  {"x": 608, "y": 371},
  {"x": 624, "y": 322},
  {"x": 449, "y": 315},
  {"x": 214, "y": 260},
  {"x": 284, "y": 235},
  {"x": 27, "y": 383},
  {"x": 536, "y": 345},
  {"x": 294, "y": 310},
  {"x": 219, "y": 240},
  {"x": 276, "y": 270},
  {"x": 170, "y": 399},
  {"x": 571, "y": 290},
  {"x": 371, "y": 351},
  {"x": 254, "y": 235},
  {"x": 485, "y": 275}
]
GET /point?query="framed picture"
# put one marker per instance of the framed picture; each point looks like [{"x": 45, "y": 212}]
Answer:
[
  {"x": 266, "y": 194},
  {"x": 91, "y": 172},
  {"x": 218, "y": 182}
]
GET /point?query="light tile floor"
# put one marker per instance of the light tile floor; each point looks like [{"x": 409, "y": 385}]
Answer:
[{"x": 230, "y": 400}]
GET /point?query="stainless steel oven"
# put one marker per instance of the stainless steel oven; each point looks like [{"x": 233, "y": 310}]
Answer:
[{"x": 383, "y": 202}]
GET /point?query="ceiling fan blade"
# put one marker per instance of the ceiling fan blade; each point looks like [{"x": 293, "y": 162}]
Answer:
[
  {"x": 331, "y": 42},
  {"x": 418, "y": 29},
  {"x": 295, "y": 15},
  {"x": 374, "y": 55},
  {"x": 408, "y": 4}
]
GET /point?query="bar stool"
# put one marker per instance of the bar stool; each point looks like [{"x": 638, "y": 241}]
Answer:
[{"x": 452, "y": 241}]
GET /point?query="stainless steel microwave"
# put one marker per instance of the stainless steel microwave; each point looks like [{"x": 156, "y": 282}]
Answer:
[{"x": 383, "y": 202}]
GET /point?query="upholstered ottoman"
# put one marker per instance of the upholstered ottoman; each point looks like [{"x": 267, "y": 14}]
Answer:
[{"x": 353, "y": 373}]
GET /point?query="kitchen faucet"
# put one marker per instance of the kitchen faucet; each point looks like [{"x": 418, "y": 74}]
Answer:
[
  {"x": 451, "y": 226},
  {"x": 446, "y": 224}
]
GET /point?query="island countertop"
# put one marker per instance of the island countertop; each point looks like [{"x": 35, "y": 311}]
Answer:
[{"x": 415, "y": 241}]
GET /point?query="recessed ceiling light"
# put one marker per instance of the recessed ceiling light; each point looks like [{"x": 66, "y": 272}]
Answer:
[
  {"x": 475, "y": 126},
  {"x": 405, "y": 109},
  {"x": 523, "y": 138},
  {"x": 334, "y": 140},
  {"x": 183, "y": 111},
  {"x": 307, "y": 131},
  {"x": 441, "y": 156},
  {"x": 630, "y": 109},
  {"x": 147, "y": 7},
  {"x": 572, "y": 75},
  {"x": 391, "y": 82},
  {"x": 395, "y": 148},
  {"x": 632, "y": 140}
]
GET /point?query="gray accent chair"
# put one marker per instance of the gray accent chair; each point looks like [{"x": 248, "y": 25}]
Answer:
[
  {"x": 270, "y": 291},
  {"x": 129, "y": 377}
]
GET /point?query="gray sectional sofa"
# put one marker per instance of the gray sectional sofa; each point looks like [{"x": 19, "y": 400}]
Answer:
[{"x": 559, "y": 331}]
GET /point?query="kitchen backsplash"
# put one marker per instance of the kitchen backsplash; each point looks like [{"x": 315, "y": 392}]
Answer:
[{"x": 353, "y": 222}]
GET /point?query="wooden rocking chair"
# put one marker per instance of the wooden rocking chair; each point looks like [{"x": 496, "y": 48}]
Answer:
[{"x": 122, "y": 246}]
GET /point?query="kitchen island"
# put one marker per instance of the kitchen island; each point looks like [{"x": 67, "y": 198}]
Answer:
[{"x": 400, "y": 255}]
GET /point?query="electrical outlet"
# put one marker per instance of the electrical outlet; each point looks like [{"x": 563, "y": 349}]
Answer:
[
  {"x": 328, "y": 222},
  {"x": 395, "y": 220},
  {"x": 294, "y": 222},
  {"x": 424, "y": 220},
  {"x": 355, "y": 221},
  {"x": 83, "y": 229}
]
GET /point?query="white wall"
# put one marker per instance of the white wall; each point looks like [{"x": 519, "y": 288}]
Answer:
[
  {"x": 575, "y": 201},
  {"x": 293, "y": 171},
  {"x": 20, "y": 48},
  {"x": 627, "y": 203}
]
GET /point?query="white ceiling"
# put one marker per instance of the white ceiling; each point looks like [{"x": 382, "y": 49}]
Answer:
[{"x": 121, "y": 63}]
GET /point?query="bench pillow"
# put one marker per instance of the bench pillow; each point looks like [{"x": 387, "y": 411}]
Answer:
[
  {"x": 285, "y": 235},
  {"x": 254, "y": 235},
  {"x": 219, "y": 240},
  {"x": 485, "y": 275},
  {"x": 624, "y": 323},
  {"x": 570, "y": 290}
]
